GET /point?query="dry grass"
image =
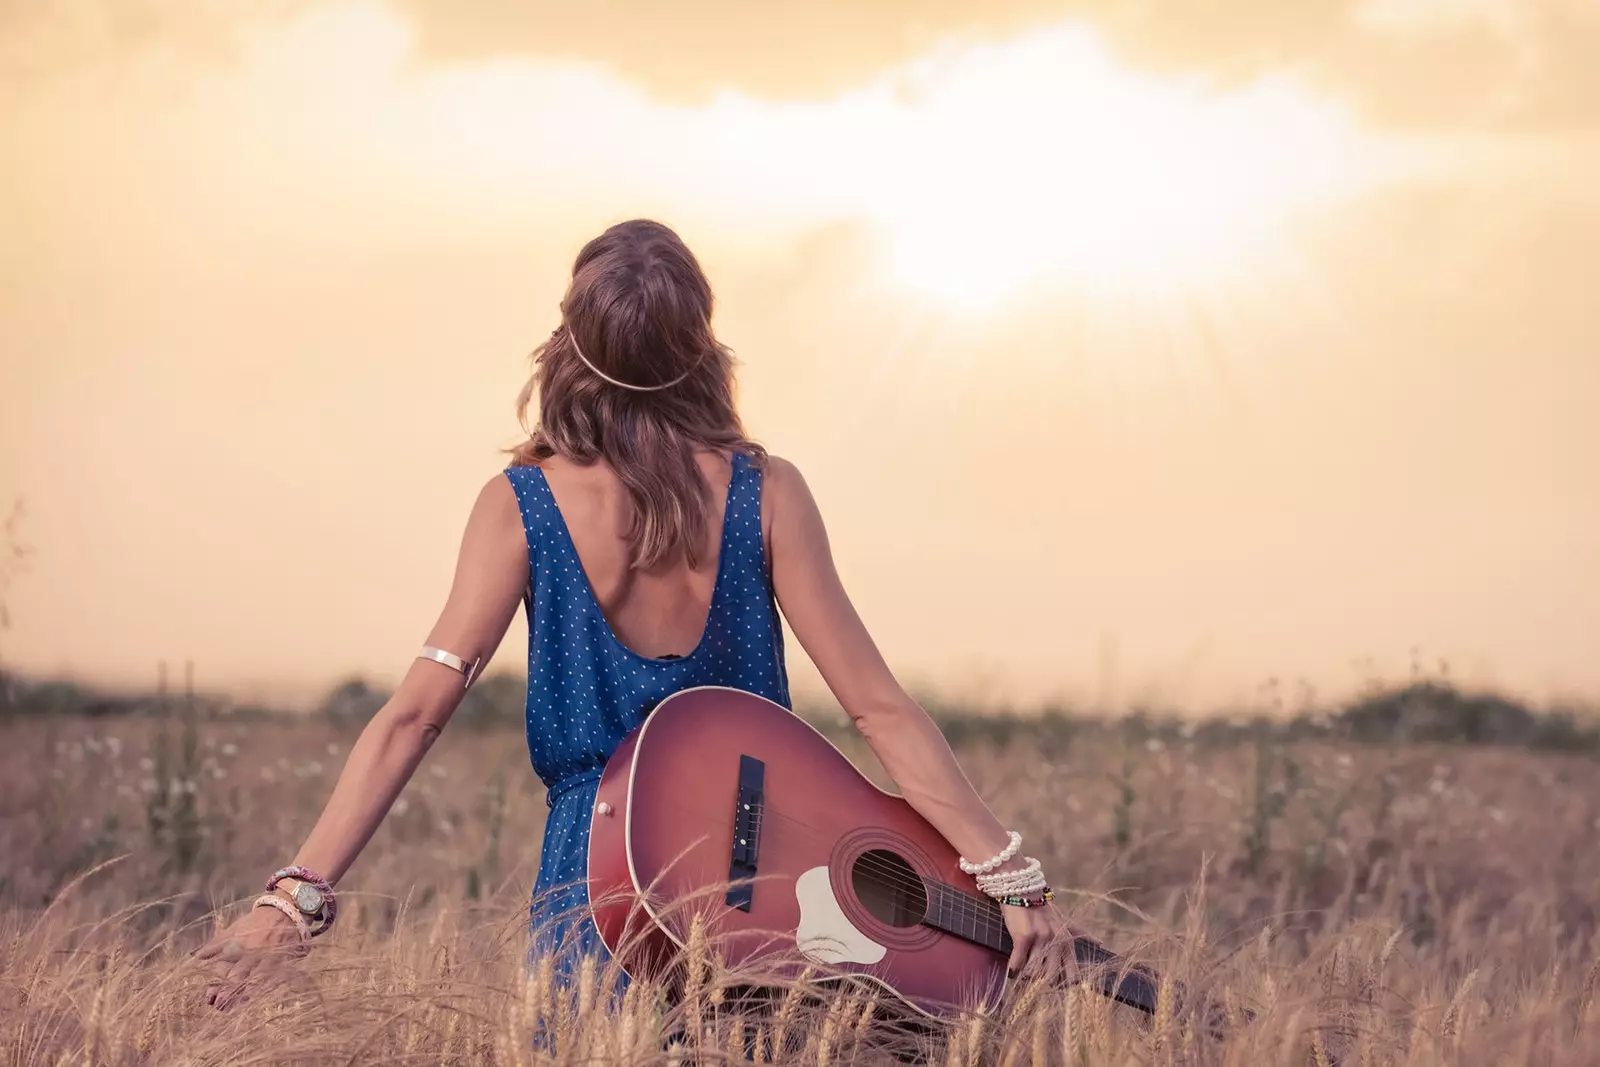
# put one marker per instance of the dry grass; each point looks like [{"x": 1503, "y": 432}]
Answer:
[{"x": 1391, "y": 906}]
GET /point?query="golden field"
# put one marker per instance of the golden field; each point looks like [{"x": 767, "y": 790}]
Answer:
[{"x": 1401, "y": 902}]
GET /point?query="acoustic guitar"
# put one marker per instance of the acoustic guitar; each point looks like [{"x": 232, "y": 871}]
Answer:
[{"x": 727, "y": 808}]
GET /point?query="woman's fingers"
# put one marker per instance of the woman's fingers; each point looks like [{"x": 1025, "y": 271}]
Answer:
[
  {"x": 1052, "y": 951},
  {"x": 1038, "y": 964},
  {"x": 227, "y": 949},
  {"x": 227, "y": 962},
  {"x": 1021, "y": 950},
  {"x": 1062, "y": 958},
  {"x": 217, "y": 982},
  {"x": 232, "y": 988}
]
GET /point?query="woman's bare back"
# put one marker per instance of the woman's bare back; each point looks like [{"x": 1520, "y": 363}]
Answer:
[{"x": 658, "y": 612}]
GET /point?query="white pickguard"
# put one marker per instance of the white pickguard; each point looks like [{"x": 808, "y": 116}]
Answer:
[{"x": 825, "y": 933}]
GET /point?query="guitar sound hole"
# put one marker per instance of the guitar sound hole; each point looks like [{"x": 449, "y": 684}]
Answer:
[{"x": 888, "y": 888}]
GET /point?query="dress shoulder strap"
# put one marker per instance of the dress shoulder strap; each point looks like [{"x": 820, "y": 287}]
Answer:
[
  {"x": 741, "y": 523},
  {"x": 533, "y": 501}
]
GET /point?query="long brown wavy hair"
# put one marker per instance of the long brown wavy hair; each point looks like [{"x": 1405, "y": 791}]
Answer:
[{"x": 639, "y": 309}]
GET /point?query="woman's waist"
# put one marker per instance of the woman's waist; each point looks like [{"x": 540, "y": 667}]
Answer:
[{"x": 574, "y": 787}]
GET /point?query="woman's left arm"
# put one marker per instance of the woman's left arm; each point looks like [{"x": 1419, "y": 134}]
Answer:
[{"x": 491, "y": 575}]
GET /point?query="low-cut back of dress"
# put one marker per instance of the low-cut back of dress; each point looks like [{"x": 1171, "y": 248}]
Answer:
[{"x": 587, "y": 691}]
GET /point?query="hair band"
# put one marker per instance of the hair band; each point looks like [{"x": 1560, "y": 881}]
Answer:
[{"x": 621, "y": 384}]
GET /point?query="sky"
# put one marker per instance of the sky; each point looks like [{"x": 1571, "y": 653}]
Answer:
[{"x": 1139, "y": 352}]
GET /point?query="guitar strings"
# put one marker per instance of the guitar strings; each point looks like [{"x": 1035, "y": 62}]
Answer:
[
  {"x": 892, "y": 873},
  {"x": 915, "y": 884},
  {"x": 984, "y": 915},
  {"x": 981, "y": 910}
]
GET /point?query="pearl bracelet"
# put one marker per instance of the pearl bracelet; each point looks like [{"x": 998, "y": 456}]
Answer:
[
  {"x": 968, "y": 867},
  {"x": 1009, "y": 878},
  {"x": 1025, "y": 882},
  {"x": 268, "y": 900}
]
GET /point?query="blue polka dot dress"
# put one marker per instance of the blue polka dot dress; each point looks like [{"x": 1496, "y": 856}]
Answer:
[{"x": 587, "y": 691}]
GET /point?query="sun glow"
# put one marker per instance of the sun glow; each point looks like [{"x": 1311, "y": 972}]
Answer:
[
  {"x": 1036, "y": 163},
  {"x": 1044, "y": 163}
]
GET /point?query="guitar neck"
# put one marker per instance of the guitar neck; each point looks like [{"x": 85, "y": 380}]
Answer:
[{"x": 979, "y": 919}]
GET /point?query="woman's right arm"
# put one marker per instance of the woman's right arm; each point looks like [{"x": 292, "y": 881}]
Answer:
[
  {"x": 491, "y": 573},
  {"x": 906, "y": 741}
]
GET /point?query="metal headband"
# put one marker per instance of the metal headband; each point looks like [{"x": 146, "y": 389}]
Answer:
[{"x": 603, "y": 376}]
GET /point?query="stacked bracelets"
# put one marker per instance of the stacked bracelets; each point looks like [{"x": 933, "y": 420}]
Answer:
[
  {"x": 1024, "y": 888},
  {"x": 309, "y": 903}
]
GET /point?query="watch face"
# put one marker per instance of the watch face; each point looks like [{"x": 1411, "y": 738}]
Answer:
[{"x": 308, "y": 898}]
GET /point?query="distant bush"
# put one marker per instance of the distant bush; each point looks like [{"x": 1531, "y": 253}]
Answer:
[
  {"x": 1426, "y": 712},
  {"x": 495, "y": 700},
  {"x": 352, "y": 702},
  {"x": 1440, "y": 713}
]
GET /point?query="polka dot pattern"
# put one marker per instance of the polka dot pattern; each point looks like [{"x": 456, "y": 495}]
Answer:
[{"x": 587, "y": 691}]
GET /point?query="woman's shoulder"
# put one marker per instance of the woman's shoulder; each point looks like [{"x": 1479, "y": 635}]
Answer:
[
  {"x": 778, "y": 469},
  {"x": 783, "y": 484}
]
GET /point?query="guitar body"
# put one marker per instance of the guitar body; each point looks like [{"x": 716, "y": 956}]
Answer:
[{"x": 840, "y": 875}]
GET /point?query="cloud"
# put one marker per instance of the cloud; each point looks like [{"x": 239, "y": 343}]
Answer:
[
  {"x": 1413, "y": 63},
  {"x": 1517, "y": 65}
]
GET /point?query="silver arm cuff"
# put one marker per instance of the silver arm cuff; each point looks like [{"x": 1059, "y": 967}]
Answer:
[{"x": 451, "y": 660}]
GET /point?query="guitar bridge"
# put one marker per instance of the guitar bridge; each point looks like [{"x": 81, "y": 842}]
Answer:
[{"x": 746, "y": 832}]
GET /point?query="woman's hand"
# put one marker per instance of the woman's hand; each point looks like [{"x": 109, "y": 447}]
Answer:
[
  {"x": 1041, "y": 944},
  {"x": 233, "y": 955}
]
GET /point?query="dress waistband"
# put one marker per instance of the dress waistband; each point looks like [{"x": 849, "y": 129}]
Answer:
[{"x": 563, "y": 786}]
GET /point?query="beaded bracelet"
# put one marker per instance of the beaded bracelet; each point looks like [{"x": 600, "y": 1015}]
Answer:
[
  {"x": 1015, "y": 842},
  {"x": 1031, "y": 901},
  {"x": 268, "y": 900}
]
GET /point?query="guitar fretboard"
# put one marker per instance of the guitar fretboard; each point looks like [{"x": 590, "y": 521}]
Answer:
[
  {"x": 978, "y": 919},
  {"x": 966, "y": 915}
]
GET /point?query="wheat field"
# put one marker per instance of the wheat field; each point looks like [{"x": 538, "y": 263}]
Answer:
[{"x": 1372, "y": 904}]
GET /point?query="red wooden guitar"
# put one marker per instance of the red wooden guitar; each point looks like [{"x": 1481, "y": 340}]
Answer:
[{"x": 727, "y": 806}]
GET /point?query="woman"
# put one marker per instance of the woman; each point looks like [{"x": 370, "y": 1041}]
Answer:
[{"x": 653, "y": 545}]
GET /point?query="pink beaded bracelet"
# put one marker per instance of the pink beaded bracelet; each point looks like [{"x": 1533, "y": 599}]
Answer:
[{"x": 268, "y": 900}]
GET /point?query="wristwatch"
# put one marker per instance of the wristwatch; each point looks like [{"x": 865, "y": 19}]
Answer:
[{"x": 307, "y": 898}]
